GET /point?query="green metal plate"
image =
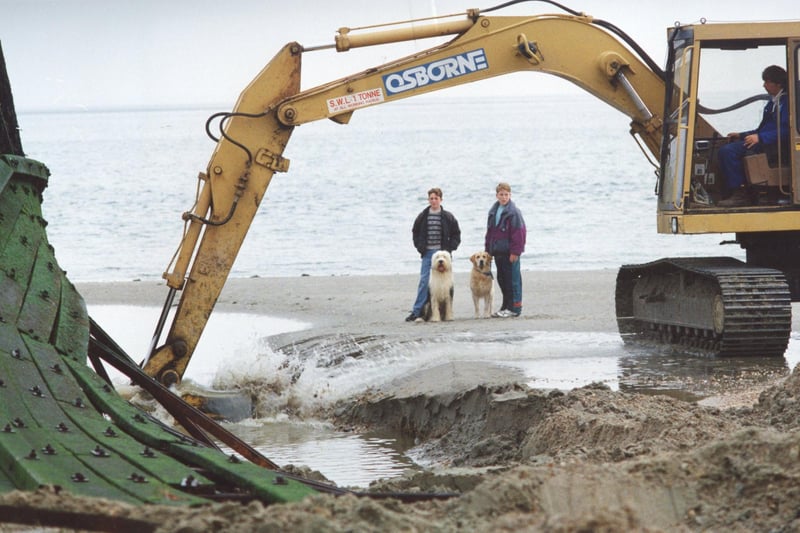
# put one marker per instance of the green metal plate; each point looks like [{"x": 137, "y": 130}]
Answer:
[
  {"x": 266, "y": 484},
  {"x": 47, "y": 446}
]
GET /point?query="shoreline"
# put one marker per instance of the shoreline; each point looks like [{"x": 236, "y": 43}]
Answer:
[{"x": 374, "y": 307}]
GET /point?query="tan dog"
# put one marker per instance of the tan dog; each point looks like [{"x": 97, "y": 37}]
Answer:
[
  {"x": 481, "y": 283},
  {"x": 440, "y": 289}
]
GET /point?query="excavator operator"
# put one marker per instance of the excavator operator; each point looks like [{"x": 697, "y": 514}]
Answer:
[{"x": 764, "y": 139}]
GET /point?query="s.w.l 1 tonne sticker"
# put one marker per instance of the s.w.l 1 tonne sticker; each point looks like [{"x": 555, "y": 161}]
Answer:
[{"x": 350, "y": 101}]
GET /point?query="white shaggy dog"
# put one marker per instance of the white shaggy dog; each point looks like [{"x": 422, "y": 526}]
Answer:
[
  {"x": 481, "y": 283},
  {"x": 440, "y": 288}
]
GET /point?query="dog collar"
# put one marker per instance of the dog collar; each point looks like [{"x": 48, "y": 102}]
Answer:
[{"x": 488, "y": 274}]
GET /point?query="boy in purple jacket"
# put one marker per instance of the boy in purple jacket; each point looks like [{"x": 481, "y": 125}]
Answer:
[{"x": 505, "y": 241}]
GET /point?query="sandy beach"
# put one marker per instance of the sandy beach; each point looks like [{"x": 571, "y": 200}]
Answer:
[
  {"x": 584, "y": 299},
  {"x": 572, "y": 301},
  {"x": 589, "y": 459}
]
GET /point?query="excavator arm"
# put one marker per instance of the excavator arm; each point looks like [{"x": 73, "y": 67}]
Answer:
[
  {"x": 589, "y": 53},
  {"x": 577, "y": 48}
]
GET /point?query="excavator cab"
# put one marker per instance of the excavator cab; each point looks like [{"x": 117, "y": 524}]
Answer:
[{"x": 715, "y": 87}]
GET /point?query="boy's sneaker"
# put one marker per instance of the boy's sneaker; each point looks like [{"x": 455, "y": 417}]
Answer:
[
  {"x": 411, "y": 317},
  {"x": 503, "y": 313}
]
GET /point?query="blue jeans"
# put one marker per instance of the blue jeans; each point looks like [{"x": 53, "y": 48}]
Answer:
[
  {"x": 509, "y": 278},
  {"x": 731, "y": 163},
  {"x": 424, "y": 277}
]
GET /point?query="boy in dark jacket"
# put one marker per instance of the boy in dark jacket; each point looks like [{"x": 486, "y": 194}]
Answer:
[
  {"x": 505, "y": 241},
  {"x": 434, "y": 229}
]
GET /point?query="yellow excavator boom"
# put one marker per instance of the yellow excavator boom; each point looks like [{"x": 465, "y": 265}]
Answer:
[{"x": 254, "y": 135}]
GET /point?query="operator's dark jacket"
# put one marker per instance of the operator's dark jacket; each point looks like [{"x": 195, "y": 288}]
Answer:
[
  {"x": 451, "y": 233},
  {"x": 768, "y": 129}
]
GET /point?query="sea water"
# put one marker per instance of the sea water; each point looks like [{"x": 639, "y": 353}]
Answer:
[{"x": 121, "y": 179}]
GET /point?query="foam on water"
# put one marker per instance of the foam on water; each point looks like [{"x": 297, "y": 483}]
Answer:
[{"x": 226, "y": 337}]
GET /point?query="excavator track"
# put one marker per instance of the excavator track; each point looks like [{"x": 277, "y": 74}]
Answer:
[{"x": 719, "y": 306}]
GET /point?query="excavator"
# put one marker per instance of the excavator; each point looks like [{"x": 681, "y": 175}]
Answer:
[{"x": 716, "y": 305}]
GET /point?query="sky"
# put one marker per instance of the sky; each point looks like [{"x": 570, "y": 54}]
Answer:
[{"x": 99, "y": 54}]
